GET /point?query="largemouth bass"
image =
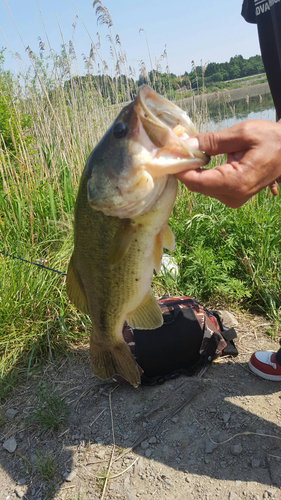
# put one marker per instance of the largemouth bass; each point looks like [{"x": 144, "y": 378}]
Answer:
[{"x": 125, "y": 198}]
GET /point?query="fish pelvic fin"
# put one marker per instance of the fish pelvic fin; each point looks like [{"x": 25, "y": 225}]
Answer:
[
  {"x": 158, "y": 252},
  {"x": 165, "y": 238},
  {"x": 114, "y": 360},
  {"x": 75, "y": 288},
  {"x": 147, "y": 315},
  {"x": 168, "y": 238}
]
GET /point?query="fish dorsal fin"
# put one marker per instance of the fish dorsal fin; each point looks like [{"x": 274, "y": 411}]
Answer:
[
  {"x": 121, "y": 243},
  {"x": 75, "y": 288},
  {"x": 158, "y": 251},
  {"x": 168, "y": 238},
  {"x": 147, "y": 315}
]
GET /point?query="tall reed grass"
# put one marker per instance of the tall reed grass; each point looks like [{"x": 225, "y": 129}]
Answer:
[{"x": 54, "y": 119}]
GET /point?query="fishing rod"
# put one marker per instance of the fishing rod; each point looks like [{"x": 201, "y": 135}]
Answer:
[{"x": 38, "y": 264}]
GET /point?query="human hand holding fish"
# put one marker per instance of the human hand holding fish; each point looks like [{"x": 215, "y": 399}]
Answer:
[
  {"x": 125, "y": 198},
  {"x": 253, "y": 150}
]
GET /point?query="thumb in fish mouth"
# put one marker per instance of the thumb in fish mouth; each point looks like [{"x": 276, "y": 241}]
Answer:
[{"x": 192, "y": 142}]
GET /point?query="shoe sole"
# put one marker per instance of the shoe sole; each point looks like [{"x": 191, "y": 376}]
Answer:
[{"x": 266, "y": 376}]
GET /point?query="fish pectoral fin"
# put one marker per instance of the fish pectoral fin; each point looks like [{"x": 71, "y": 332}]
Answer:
[
  {"x": 158, "y": 251},
  {"x": 121, "y": 243},
  {"x": 75, "y": 288},
  {"x": 116, "y": 360},
  {"x": 147, "y": 315},
  {"x": 168, "y": 238}
]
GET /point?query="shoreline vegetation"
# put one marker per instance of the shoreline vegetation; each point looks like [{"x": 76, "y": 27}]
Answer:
[
  {"x": 249, "y": 89},
  {"x": 50, "y": 120}
]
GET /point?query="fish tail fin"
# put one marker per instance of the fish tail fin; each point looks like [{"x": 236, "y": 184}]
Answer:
[{"x": 107, "y": 361}]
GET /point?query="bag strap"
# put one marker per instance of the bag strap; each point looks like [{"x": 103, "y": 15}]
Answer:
[{"x": 229, "y": 333}]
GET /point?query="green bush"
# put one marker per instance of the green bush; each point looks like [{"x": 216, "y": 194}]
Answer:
[{"x": 14, "y": 123}]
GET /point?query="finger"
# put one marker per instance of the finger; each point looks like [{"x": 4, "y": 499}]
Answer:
[
  {"x": 232, "y": 202},
  {"x": 218, "y": 181},
  {"x": 230, "y": 140},
  {"x": 273, "y": 189},
  {"x": 201, "y": 182}
]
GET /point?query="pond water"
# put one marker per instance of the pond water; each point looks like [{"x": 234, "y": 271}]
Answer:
[{"x": 222, "y": 114}]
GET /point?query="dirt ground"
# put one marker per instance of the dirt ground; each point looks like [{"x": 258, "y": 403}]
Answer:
[{"x": 218, "y": 437}]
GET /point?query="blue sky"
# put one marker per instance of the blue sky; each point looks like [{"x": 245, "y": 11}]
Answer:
[{"x": 207, "y": 30}]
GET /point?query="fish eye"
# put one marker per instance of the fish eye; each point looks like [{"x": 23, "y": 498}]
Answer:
[{"x": 120, "y": 130}]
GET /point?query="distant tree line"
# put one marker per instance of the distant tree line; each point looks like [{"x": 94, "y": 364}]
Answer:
[
  {"x": 201, "y": 78},
  {"x": 237, "y": 67},
  {"x": 208, "y": 74}
]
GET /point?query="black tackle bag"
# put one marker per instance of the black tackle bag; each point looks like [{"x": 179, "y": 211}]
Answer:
[{"x": 191, "y": 336}]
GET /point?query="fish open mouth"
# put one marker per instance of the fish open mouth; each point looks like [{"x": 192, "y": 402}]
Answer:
[
  {"x": 167, "y": 127},
  {"x": 130, "y": 167}
]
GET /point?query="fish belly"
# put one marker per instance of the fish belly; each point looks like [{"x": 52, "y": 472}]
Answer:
[{"x": 122, "y": 291}]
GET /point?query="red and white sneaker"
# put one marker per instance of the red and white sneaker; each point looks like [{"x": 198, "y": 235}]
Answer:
[{"x": 263, "y": 363}]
